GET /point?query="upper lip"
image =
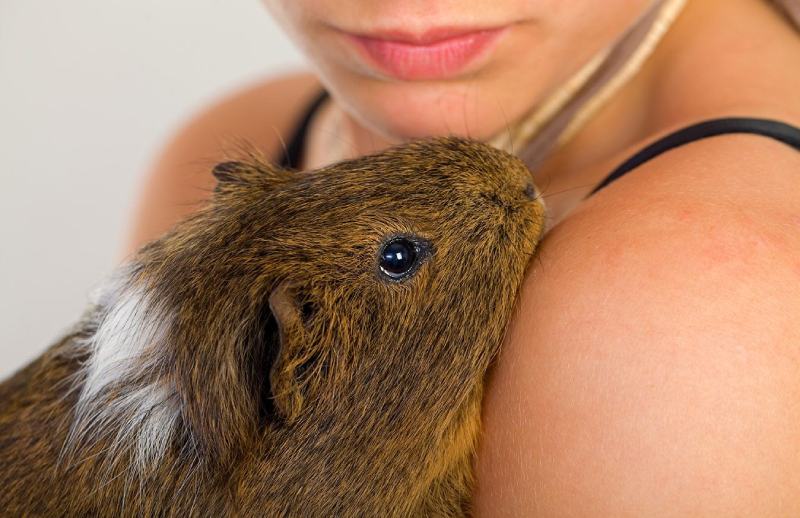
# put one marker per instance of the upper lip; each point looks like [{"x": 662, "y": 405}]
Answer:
[{"x": 426, "y": 37}]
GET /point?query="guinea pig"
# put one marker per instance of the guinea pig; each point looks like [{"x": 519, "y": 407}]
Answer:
[{"x": 309, "y": 343}]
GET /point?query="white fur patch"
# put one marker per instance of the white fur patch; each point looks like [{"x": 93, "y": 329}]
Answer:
[{"x": 124, "y": 397}]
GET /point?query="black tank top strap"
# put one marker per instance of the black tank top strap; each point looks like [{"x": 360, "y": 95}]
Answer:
[
  {"x": 293, "y": 153},
  {"x": 777, "y": 130}
]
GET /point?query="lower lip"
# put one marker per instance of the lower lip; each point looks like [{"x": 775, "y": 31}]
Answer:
[{"x": 436, "y": 60}]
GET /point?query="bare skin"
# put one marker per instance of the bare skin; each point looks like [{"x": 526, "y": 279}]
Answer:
[{"x": 652, "y": 368}]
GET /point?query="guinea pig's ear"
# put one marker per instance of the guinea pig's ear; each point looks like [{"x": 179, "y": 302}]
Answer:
[{"x": 293, "y": 348}]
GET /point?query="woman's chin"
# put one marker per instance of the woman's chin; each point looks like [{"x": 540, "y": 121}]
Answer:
[{"x": 403, "y": 111}]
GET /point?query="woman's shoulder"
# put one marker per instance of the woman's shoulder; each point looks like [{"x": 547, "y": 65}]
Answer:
[
  {"x": 263, "y": 114},
  {"x": 654, "y": 368}
]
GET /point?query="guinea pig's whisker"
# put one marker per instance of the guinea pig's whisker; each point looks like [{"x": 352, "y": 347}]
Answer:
[
  {"x": 464, "y": 110},
  {"x": 508, "y": 129},
  {"x": 284, "y": 147},
  {"x": 577, "y": 187}
]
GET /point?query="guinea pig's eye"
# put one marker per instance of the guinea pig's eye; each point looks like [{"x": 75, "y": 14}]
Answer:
[{"x": 399, "y": 257}]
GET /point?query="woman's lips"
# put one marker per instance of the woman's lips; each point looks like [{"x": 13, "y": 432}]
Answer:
[{"x": 439, "y": 54}]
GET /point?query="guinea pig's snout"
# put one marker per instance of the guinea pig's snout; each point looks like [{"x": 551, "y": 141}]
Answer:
[
  {"x": 520, "y": 182},
  {"x": 513, "y": 197},
  {"x": 529, "y": 191}
]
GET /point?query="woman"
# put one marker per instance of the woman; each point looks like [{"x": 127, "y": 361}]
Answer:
[{"x": 653, "y": 366}]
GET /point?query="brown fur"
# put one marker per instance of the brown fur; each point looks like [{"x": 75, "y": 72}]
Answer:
[{"x": 299, "y": 380}]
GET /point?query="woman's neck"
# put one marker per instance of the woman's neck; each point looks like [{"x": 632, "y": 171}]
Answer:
[{"x": 335, "y": 135}]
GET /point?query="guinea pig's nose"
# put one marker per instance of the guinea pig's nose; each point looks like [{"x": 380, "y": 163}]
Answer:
[{"x": 530, "y": 191}]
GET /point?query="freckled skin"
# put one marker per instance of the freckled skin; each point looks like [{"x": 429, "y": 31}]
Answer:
[{"x": 305, "y": 382}]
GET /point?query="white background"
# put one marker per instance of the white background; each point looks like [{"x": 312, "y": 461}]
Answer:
[{"x": 89, "y": 92}]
